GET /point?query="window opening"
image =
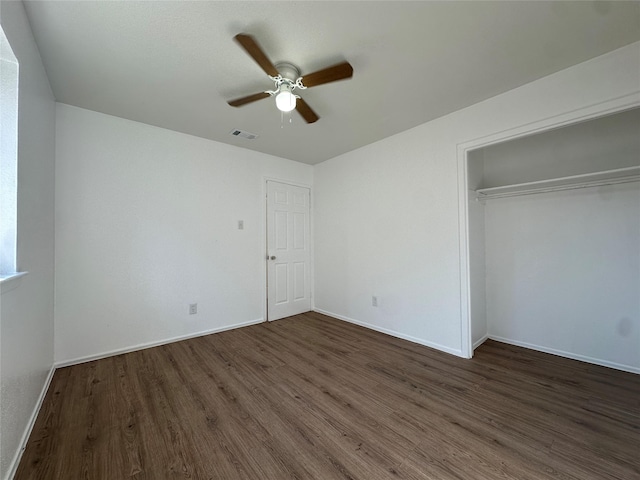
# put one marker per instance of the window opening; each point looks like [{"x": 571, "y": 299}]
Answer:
[{"x": 8, "y": 157}]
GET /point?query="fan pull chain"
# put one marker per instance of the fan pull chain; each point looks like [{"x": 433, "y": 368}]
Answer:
[{"x": 282, "y": 118}]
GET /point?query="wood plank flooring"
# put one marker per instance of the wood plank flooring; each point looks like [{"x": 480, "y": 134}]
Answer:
[{"x": 311, "y": 397}]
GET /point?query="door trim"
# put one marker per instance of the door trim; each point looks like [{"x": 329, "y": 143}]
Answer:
[{"x": 263, "y": 243}]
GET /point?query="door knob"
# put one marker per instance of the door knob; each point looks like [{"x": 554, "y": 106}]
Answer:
[{"x": 272, "y": 257}]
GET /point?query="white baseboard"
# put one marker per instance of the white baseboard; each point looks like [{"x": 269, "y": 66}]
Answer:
[
  {"x": 477, "y": 343},
  {"x": 393, "y": 333},
  {"x": 13, "y": 466},
  {"x": 562, "y": 353},
  {"x": 142, "y": 346}
]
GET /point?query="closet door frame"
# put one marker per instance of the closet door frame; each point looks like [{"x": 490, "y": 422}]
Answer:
[{"x": 591, "y": 112}]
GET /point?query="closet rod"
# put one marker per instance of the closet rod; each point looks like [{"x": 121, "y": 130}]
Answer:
[
  {"x": 583, "y": 180},
  {"x": 572, "y": 186}
]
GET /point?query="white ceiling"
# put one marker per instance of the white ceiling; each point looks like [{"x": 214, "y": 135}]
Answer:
[{"x": 174, "y": 64}]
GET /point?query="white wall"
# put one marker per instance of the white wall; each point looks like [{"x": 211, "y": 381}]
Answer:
[
  {"x": 563, "y": 273},
  {"x": 26, "y": 310},
  {"x": 387, "y": 217},
  {"x": 384, "y": 227},
  {"x": 146, "y": 223}
]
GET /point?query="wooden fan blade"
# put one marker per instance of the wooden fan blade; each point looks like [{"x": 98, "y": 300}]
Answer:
[
  {"x": 238, "y": 102},
  {"x": 253, "y": 49},
  {"x": 305, "y": 110},
  {"x": 331, "y": 74}
]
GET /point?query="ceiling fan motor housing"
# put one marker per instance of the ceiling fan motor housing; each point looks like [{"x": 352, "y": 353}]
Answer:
[{"x": 288, "y": 71}]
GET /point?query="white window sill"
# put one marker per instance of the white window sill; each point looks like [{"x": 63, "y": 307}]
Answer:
[{"x": 10, "y": 281}]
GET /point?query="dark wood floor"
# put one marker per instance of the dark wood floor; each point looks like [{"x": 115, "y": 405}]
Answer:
[{"x": 312, "y": 397}]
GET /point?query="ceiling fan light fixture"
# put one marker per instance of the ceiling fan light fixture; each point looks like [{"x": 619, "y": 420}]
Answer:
[
  {"x": 285, "y": 100},
  {"x": 286, "y": 78}
]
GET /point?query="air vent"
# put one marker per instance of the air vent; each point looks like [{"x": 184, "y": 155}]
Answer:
[{"x": 243, "y": 134}]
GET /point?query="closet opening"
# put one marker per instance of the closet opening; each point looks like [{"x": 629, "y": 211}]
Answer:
[{"x": 553, "y": 241}]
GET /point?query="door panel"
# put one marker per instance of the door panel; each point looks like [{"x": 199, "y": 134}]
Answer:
[
  {"x": 299, "y": 233},
  {"x": 299, "y": 283},
  {"x": 282, "y": 283},
  {"x": 288, "y": 252},
  {"x": 281, "y": 219}
]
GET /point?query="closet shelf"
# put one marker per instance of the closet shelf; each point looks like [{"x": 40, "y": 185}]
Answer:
[{"x": 607, "y": 177}]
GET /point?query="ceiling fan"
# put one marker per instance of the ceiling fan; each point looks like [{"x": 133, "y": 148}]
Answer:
[{"x": 287, "y": 79}]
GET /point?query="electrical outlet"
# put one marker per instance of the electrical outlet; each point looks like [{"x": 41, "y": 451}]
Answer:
[
  {"x": 193, "y": 308},
  {"x": 240, "y": 224},
  {"x": 374, "y": 301}
]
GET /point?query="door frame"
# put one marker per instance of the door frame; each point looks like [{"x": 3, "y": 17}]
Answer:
[
  {"x": 263, "y": 243},
  {"x": 601, "y": 109}
]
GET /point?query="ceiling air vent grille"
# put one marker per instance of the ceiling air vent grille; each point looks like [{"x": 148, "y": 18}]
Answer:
[{"x": 243, "y": 134}]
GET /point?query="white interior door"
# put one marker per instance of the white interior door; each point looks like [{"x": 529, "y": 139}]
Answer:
[{"x": 288, "y": 253}]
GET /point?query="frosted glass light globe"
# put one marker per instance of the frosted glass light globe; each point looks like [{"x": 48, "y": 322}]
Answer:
[{"x": 285, "y": 100}]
